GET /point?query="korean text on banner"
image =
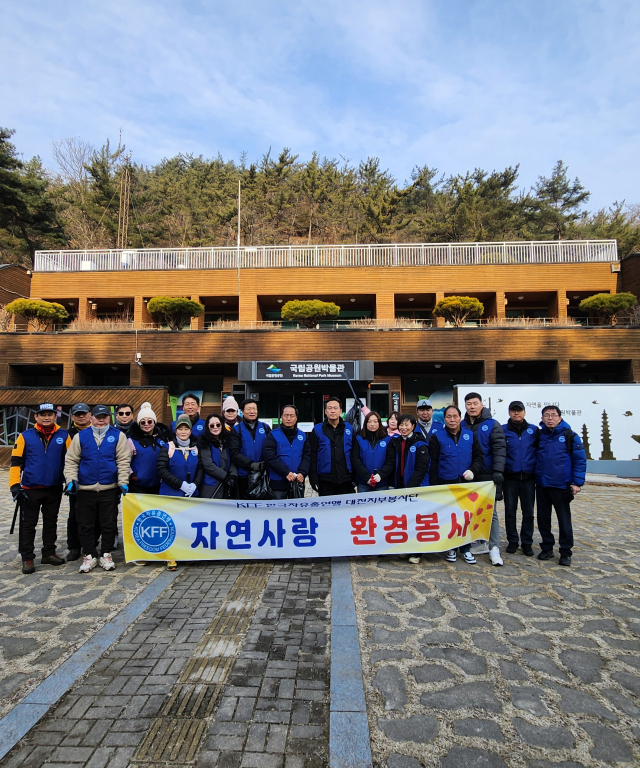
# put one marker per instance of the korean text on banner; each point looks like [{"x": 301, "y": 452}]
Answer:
[{"x": 432, "y": 519}]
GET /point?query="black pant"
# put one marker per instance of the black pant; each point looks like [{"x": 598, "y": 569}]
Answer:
[
  {"x": 47, "y": 499},
  {"x": 525, "y": 490},
  {"x": 556, "y": 497},
  {"x": 73, "y": 531},
  {"x": 101, "y": 506},
  {"x": 243, "y": 482},
  {"x": 326, "y": 488}
]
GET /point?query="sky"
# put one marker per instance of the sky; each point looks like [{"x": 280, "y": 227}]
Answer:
[{"x": 452, "y": 84}]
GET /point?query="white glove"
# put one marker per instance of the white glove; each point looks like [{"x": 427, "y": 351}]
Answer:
[
  {"x": 468, "y": 475},
  {"x": 188, "y": 488},
  {"x": 377, "y": 478}
]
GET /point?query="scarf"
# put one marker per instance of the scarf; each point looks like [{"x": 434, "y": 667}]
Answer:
[{"x": 46, "y": 431}]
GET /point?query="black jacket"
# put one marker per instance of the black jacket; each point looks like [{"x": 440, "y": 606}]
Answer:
[
  {"x": 235, "y": 442},
  {"x": 497, "y": 442},
  {"x": 422, "y": 460},
  {"x": 270, "y": 454},
  {"x": 161, "y": 432},
  {"x": 163, "y": 466},
  {"x": 339, "y": 470},
  {"x": 477, "y": 457},
  {"x": 209, "y": 467},
  {"x": 362, "y": 473}
]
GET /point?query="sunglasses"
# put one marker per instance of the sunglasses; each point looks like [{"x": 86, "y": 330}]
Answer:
[
  {"x": 144, "y": 422},
  {"x": 215, "y": 425},
  {"x": 231, "y": 410},
  {"x": 124, "y": 413}
]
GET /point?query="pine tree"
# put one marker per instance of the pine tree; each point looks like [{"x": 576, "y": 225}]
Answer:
[
  {"x": 606, "y": 454},
  {"x": 585, "y": 441}
]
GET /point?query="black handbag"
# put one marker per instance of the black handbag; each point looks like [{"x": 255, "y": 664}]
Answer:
[
  {"x": 296, "y": 490},
  {"x": 258, "y": 486}
]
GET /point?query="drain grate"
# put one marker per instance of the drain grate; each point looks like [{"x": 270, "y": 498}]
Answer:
[
  {"x": 172, "y": 740},
  {"x": 192, "y": 700}
]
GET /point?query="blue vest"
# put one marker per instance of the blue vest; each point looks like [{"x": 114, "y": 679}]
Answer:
[
  {"x": 484, "y": 438},
  {"x": 289, "y": 453},
  {"x": 324, "y": 449},
  {"x": 144, "y": 464},
  {"x": 556, "y": 467},
  {"x": 196, "y": 430},
  {"x": 455, "y": 458},
  {"x": 216, "y": 457},
  {"x": 521, "y": 449},
  {"x": 373, "y": 457},
  {"x": 44, "y": 466},
  {"x": 249, "y": 447},
  {"x": 98, "y": 465},
  {"x": 410, "y": 465},
  {"x": 185, "y": 471}
]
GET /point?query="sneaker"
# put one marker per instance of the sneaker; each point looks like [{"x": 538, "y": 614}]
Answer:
[
  {"x": 414, "y": 559},
  {"x": 451, "y": 556},
  {"x": 512, "y": 548},
  {"x": 106, "y": 562},
  {"x": 88, "y": 564},
  {"x": 527, "y": 549},
  {"x": 480, "y": 547},
  {"x": 53, "y": 560},
  {"x": 546, "y": 554},
  {"x": 494, "y": 555},
  {"x": 73, "y": 554},
  {"x": 28, "y": 566},
  {"x": 469, "y": 558},
  {"x": 564, "y": 560},
  {"x": 172, "y": 565}
]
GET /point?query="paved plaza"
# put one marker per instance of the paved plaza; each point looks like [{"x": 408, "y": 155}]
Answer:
[{"x": 232, "y": 664}]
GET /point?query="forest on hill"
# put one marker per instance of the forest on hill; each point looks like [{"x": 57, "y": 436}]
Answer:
[{"x": 189, "y": 200}]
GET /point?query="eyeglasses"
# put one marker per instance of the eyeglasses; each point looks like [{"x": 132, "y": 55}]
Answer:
[
  {"x": 124, "y": 413},
  {"x": 144, "y": 422}
]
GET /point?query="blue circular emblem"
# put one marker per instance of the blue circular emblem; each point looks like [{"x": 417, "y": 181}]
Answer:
[
  {"x": 412, "y": 449},
  {"x": 300, "y": 437},
  {"x": 561, "y": 439},
  {"x": 347, "y": 431},
  {"x": 529, "y": 431},
  {"x": 111, "y": 439},
  {"x": 59, "y": 440},
  {"x": 161, "y": 442},
  {"x": 383, "y": 444},
  {"x": 194, "y": 452},
  {"x": 199, "y": 427},
  {"x": 484, "y": 427},
  {"x": 465, "y": 437},
  {"x": 154, "y": 530},
  {"x": 261, "y": 430}
]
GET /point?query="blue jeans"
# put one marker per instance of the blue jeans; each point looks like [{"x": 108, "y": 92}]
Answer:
[{"x": 525, "y": 490}]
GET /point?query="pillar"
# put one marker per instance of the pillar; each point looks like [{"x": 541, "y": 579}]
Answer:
[
  {"x": 500, "y": 306},
  {"x": 635, "y": 371},
  {"x": 248, "y": 308},
  {"x": 385, "y": 306},
  {"x": 70, "y": 375},
  {"x": 564, "y": 369},
  {"x": 490, "y": 371},
  {"x": 141, "y": 315},
  {"x": 138, "y": 375},
  {"x": 5, "y": 373},
  {"x": 197, "y": 323},
  {"x": 439, "y": 321},
  {"x": 561, "y": 306}
]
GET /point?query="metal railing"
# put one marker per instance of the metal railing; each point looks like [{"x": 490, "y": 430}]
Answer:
[{"x": 289, "y": 256}]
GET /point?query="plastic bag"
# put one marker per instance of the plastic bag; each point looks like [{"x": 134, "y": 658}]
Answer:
[
  {"x": 354, "y": 416},
  {"x": 296, "y": 490},
  {"x": 258, "y": 486}
]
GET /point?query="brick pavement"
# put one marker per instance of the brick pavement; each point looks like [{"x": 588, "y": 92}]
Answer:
[
  {"x": 227, "y": 668},
  {"x": 528, "y": 666}
]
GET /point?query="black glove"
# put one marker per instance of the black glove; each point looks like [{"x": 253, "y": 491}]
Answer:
[
  {"x": 17, "y": 492},
  {"x": 499, "y": 494},
  {"x": 498, "y": 478},
  {"x": 257, "y": 466},
  {"x": 231, "y": 481}
]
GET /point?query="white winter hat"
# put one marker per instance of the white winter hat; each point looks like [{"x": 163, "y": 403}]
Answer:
[
  {"x": 146, "y": 412},
  {"x": 230, "y": 402}
]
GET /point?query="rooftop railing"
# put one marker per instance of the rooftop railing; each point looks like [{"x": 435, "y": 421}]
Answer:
[{"x": 288, "y": 256}]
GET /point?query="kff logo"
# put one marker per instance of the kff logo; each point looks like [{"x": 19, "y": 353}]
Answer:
[{"x": 154, "y": 530}]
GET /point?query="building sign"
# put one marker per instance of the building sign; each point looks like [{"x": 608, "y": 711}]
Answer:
[{"x": 305, "y": 370}]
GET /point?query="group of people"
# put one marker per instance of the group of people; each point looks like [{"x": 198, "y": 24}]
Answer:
[{"x": 96, "y": 462}]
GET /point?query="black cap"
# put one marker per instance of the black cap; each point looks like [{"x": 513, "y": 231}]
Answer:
[
  {"x": 46, "y": 408},
  {"x": 80, "y": 408},
  {"x": 100, "y": 410},
  {"x": 516, "y": 405}
]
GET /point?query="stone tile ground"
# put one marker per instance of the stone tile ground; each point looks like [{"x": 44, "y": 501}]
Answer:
[
  {"x": 529, "y": 666},
  {"x": 46, "y": 616}
]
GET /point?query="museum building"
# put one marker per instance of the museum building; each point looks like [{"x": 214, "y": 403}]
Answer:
[{"x": 385, "y": 339}]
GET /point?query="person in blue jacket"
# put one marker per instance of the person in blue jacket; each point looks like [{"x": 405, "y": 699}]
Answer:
[
  {"x": 373, "y": 455},
  {"x": 246, "y": 443},
  {"x": 412, "y": 455},
  {"x": 146, "y": 438},
  {"x": 456, "y": 457},
  {"x": 424, "y": 415},
  {"x": 331, "y": 471},
  {"x": 220, "y": 476},
  {"x": 287, "y": 454},
  {"x": 561, "y": 463},
  {"x": 519, "y": 477},
  {"x": 191, "y": 408}
]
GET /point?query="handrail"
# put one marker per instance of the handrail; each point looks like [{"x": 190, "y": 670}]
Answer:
[{"x": 291, "y": 256}]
